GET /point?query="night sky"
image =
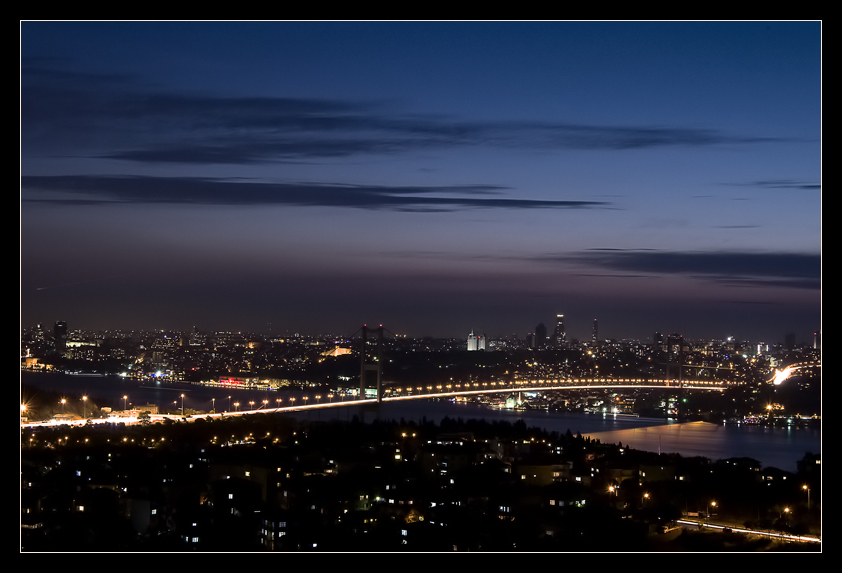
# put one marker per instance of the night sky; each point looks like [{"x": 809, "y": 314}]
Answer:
[{"x": 435, "y": 177}]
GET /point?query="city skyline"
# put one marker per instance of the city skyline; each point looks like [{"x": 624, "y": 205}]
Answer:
[{"x": 435, "y": 177}]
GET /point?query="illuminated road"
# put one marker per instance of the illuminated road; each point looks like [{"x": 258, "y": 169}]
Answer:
[
  {"x": 474, "y": 389},
  {"x": 424, "y": 393},
  {"x": 743, "y": 530},
  {"x": 781, "y": 375}
]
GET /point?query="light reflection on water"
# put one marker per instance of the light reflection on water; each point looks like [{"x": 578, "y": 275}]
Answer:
[{"x": 777, "y": 447}]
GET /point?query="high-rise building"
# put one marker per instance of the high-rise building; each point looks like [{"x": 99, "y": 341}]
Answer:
[
  {"x": 595, "y": 333},
  {"x": 658, "y": 341},
  {"x": 60, "y": 336},
  {"x": 559, "y": 335},
  {"x": 675, "y": 343},
  {"x": 476, "y": 341},
  {"x": 540, "y": 335}
]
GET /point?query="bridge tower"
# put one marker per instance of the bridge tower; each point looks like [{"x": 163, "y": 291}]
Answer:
[{"x": 371, "y": 365}]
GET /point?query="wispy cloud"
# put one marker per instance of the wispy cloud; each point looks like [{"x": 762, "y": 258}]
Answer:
[
  {"x": 87, "y": 190},
  {"x": 738, "y": 269},
  {"x": 146, "y": 125},
  {"x": 793, "y": 270},
  {"x": 780, "y": 184}
]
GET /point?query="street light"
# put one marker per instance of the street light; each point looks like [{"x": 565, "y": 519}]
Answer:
[
  {"x": 182, "y": 404},
  {"x": 85, "y": 410},
  {"x": 808, "y": 495},
  {"x": 124, "y": 402}
]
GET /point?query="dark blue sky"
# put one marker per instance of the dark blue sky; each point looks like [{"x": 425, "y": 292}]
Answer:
[{"x": 434, "y": 177}]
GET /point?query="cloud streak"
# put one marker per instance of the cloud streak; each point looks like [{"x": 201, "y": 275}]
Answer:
[
  {"x": 787, "y": 184},
  {"x": 88, "y": 190},
  {"x": 153, "y": 127},
  {"x": 729, "y": 268},
  {"x": 793, "y": 270}
]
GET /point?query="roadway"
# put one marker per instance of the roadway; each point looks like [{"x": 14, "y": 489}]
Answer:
[
  {"x": 733, "y": 528},
  {"x": 418, "y": 393},
  {"x": 478, "y": 389}
]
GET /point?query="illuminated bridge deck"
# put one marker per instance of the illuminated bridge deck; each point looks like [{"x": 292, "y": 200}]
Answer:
[{"x": 396, "y": 393}]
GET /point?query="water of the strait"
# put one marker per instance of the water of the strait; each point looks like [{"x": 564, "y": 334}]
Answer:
[{"x": 772, "y": 446}]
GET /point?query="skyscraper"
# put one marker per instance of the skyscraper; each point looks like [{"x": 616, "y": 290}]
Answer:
[
  {"x": 559, "y": 336},
  {"x": 60, "y": 336},
  {"x": 476, "y": 341},
  {"x": 595, "y": 334},
  {"x": 540, "y": 335},
  {"x": 675, "y": 343}
]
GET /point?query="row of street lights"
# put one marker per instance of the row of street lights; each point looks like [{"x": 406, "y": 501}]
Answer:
[
  {"x": 278, "y": 401},
  {"x": 251, "y": 403},
  {"x": 63, "y": 401},
  {"x": 236, "y": 405}
]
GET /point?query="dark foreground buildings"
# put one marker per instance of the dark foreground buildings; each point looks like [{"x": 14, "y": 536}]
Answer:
[{"x": 269, "y": 483}]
